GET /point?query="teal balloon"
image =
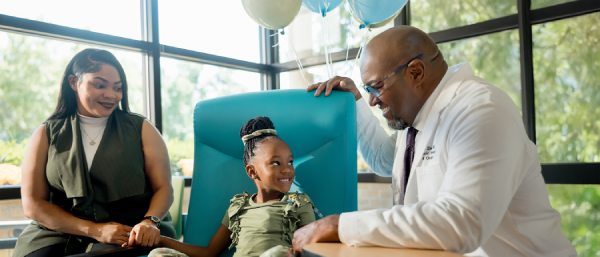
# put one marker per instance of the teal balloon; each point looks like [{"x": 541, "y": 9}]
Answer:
[
  {"x": 321, "y": 6},
  {"x": 369, "y": 12}
]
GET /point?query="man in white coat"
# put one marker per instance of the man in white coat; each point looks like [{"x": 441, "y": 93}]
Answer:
[{"x": 475, "y": 183}]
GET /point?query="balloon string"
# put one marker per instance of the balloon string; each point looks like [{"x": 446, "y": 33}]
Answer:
[
  {"x": 328, "y": 62},
  {"x": 349, "y": 65},
  {"x": 298, "y": 62},
  {"x": 325, "y": 9},
  {"x": 360, "y": 48},
  {"x": 275, "y": 34}
]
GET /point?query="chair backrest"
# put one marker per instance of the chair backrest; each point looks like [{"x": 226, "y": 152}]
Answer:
[{"x": 320, "y": 132}]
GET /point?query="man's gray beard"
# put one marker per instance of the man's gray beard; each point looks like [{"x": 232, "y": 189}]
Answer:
[{"x": 397, "y": 123}]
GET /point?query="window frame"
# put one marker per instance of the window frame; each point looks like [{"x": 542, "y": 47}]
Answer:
[{"x": 270, "y": 67}]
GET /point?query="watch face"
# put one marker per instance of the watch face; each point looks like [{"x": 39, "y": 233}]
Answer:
[{"x": 153, "y": 219}]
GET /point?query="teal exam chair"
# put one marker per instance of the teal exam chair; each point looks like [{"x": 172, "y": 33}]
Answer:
[{"x": 321, "y": 133}]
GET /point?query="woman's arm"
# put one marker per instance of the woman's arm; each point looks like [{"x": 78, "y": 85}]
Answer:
[
  {"x": 157, "y": 167},
  {"x": 217, "y": 244},
  {"x": 34, "y": 197}
]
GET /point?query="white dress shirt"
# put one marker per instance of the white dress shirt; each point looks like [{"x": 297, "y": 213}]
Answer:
[{"x": 475, "y": 186}]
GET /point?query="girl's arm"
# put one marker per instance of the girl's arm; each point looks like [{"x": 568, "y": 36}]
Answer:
[
  {"x": 217, "y": 244},
  {"x": 34, "y": 196}
]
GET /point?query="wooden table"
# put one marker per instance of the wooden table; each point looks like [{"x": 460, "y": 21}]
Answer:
[{"x": 342, "y": 250}]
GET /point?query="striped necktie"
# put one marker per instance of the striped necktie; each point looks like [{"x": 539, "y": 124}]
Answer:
[{"x": 409, "y": 153}]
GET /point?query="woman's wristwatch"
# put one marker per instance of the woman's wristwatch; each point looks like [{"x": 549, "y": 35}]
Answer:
[{"x": 154, "y": 220}]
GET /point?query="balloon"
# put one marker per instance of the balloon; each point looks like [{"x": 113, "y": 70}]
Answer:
[
  {"x": 373, "y": 12},
  {"x": 321, "y": 6},
  {"x": 272, "y": 14},
  {"x": 383, "y": 23}
]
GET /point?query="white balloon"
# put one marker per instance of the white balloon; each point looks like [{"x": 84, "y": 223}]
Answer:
[{"x": 272, "y": 14}]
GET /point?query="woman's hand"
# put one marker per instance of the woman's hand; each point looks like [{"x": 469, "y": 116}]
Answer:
[
  {"x": 111, "y": 233},
  {"x": 144, "y": 234}
]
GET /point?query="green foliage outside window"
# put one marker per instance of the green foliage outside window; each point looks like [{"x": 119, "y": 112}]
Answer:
[
  {"x": 436, "y": 15},
  {"x": 567, "y": 89},
  {"x": 567, "y": 94},
  {"x": 579, "y": 206}
]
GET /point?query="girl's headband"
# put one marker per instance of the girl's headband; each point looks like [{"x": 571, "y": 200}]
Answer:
[{"x": 257, "y": 133}]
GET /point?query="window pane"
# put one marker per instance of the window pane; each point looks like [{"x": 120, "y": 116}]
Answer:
[
  {"x": 493, "y": 57},
  {"x": 294, "y": 79},
  {"x": 307, "y": 36},
  {"x": 12, "y": 222},
  {"x": 215, "y": 27},
  {"x": 436, "y": 15},
  {"x": 183, "y": 85},
  {"x": 579, "y": 207},
  {"x": 567, "y": 89},
  {"x": 115, "y": 17},
  {"x": 31, "y": 69},
  {"x": 545, "y": 3}
]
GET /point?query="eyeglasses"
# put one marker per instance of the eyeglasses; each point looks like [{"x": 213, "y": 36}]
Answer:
[{"x": 374, "y": 87}]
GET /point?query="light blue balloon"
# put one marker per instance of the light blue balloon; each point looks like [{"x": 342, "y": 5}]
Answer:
[
  {"x": 374, "y": 11},
  {"x": 321, "y": 6}
]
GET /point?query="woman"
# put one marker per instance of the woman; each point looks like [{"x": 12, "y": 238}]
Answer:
[{"x": 94, "y": 172}]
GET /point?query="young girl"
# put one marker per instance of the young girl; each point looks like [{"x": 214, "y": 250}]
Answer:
[{"x": 261, "y": 224}]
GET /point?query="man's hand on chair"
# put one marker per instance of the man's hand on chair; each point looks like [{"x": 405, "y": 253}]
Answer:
[
  {"x": 335, "y": 83},
  {"x": 323, "y": 230}
]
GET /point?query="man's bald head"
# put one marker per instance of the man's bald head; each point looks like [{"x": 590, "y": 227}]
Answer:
[{"x": 397, "y": 44}]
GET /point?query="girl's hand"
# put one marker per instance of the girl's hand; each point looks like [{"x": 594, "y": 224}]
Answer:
[{"x": 144, "y": 234}]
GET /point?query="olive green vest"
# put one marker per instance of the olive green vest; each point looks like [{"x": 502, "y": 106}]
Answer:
[{"x": 115, "y": 188}]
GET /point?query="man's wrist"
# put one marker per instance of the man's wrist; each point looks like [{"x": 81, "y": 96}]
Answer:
[
  {"x": 331, "y": 228},
  {"x": 152, "y": 220}
]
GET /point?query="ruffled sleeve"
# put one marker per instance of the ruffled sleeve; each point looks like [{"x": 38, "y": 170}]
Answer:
[
  {"x": 297, "y": 213},
  {"x": 236, "y": 204}
]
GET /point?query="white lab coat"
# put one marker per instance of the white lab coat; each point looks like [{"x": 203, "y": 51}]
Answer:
[{"x": 475, "y": 185}]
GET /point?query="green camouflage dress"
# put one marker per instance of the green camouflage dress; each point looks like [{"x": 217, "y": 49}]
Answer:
[{"x": 261, "y": 229}]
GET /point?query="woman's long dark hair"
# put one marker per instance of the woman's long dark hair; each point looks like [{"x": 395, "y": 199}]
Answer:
[
  {"x": 86, "y": 61},
  {"x": 252, "y": 125}
]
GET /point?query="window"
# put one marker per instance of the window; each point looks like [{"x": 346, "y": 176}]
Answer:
[
  {"x": 545, "y": 3},
  {"x": 215, "y": 27},
  {"x": 296, "y": 79},
  {"x": 306, "y": 36},
  {"x": 567, "y": 89},
  {"x": 579, "y": 208},
  {"x": 493, "y": 57},
  {"x": 183, "y": 84},
  {"x": 113, "y": 17},
  {"x": 436, "y": 15}
]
